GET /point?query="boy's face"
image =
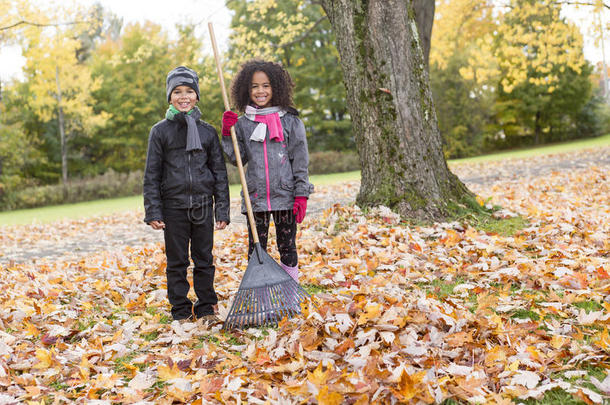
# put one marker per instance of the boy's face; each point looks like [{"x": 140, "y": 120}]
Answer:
[
  {"x": 183, "y": 98},
  {"x": 260, "y": 90}
]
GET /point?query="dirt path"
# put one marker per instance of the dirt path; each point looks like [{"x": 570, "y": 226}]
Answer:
[{"x": 75, "y": 238}]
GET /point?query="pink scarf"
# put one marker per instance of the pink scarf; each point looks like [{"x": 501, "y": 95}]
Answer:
[{"x": 270, "y": 117}]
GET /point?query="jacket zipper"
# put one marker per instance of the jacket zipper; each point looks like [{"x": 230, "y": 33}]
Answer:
[
  {"x": 267, "y": 175},
  {"x": 190, "y": 181}
]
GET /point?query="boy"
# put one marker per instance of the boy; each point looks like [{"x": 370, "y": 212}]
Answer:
[{"x": 185, "y": 187}]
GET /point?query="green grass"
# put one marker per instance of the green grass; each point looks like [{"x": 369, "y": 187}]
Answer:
[
  {"x": 441, "y": 288},
  {"x": 589, "y": 306},
  {"x": 555, "y": 396},
  {"x": 313, "y": 289},
  {"x": 525, "y": 314},
  {"x": 539, "y": 150},
  {"x": 118, "y": 205}
]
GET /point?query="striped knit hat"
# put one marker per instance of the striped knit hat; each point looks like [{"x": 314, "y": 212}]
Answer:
[{"x": 181, "y": 76}]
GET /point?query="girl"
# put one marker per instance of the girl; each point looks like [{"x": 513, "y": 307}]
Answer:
[
  {"x": 185, "y": 190},
  {"x": 272, "y": 141}
]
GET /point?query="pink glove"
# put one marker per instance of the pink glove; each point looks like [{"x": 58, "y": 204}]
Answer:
[
  {"x": 229, "y": 118},
  {"x": 300, "y": 208}
]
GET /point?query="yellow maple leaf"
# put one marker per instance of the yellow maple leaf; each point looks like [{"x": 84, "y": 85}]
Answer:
[
  {"x": 45, "y": 358},
  {"x": 407, "y": 385},
  {"x": 535, "y": 353},
  {"x": 494, "y": 355},
  {"x": 325, "y": 397},
  {"x": 169, "y": 373},
  {"x": 30, "y": 329},
  {"x": 514, "y": 366},
  {"x": 558, "y": 341},
  {"x": 372, "y": 311},
  {"x": 318, "y": 377},
  {"x": 602, "y": 339}
]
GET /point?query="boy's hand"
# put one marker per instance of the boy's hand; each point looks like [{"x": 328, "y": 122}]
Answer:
[
  {"x": 157, "y": 225},
  {"x": 229, "y": 118},
  {"x": 221, "y": 225}
]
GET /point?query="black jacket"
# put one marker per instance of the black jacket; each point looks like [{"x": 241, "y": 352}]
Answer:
[{"x": 175, "y": 178}]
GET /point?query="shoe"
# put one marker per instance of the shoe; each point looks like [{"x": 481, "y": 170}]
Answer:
[
  {"x": 185, "y": 320},
  {"x": 210, "y": 319}
]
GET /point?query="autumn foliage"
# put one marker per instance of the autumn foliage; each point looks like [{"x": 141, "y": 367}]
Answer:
[{"x": 402, "y": 313}]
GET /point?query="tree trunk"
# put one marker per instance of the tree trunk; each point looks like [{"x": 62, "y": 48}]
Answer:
[
  {"x": 424, "y": 17},
  {"x": 62, "y": 133},
  {"x": 392, "y": 112},
  {"x": 537, "y": 129}
]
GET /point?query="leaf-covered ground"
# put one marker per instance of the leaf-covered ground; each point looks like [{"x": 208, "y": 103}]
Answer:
[{"x": 404, "y": 314}]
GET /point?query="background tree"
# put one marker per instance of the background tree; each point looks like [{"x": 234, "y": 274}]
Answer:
[
  {"x": 544, "y": 76},
  {"x": 463, "y": 93},
  {"x": 61, "y": 85},
  {"x": 297, "y": 33},
  {"x": 393, "y": 115},
  {"x": 134, "y": 100},
  {"x": 424, "y": 18}
]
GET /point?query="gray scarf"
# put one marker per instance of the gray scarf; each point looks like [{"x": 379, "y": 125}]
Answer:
[{"x": 192, "y": 134}]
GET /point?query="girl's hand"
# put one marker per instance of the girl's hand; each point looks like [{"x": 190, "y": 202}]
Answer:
[
  {"x": 229, "y": 118},
  {"x": 300, "y": 208},
  {"x": 221, "y": 225},
  {"x": 157, "y": 225}
]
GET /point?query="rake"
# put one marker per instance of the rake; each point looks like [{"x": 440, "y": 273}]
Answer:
[{"x": 267, "y": 293}]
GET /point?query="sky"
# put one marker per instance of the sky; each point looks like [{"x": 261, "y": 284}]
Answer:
[{"x": 169, "y": 13}]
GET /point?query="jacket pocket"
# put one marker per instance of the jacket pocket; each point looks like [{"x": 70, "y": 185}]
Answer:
[{"x": 287, "y": 184}]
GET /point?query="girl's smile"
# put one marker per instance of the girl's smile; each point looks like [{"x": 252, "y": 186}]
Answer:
[
  {"x": 183, "y": 98},
  {"x": 260, "y": 90}
]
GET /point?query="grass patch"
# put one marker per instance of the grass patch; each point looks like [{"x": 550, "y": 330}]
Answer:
[
  {"x": 84, "y": 325},
  {"x": 479, "y": 217},
  {"x": 117, "y": 205},
  {"x": 589, "y": 306},
  {"x": 165, "y": 319},
  {"x": 553, "y": 397},
  {"x": 58, "y": 385},
  {"x": 119, "y": 362},
  {"x": 525, "y": 314},
  {"x": 150, "y": 336},
  {"x": 441, "y": 288},
  {"x": 548, "y": 149},
  {"x": 313, "y": 289}
]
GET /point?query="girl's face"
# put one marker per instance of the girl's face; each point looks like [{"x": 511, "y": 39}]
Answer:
[
  {"x": 183, "y": 98},
  {"x": 260, "y": 90}
]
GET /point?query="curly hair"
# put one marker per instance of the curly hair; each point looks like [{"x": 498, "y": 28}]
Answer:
[{"x": 279, "y": 78}]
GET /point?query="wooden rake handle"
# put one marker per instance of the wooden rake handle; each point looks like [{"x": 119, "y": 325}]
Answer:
[{"x": 240, "y": 166}]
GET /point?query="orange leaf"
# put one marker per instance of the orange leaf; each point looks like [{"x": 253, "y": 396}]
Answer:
[
  {"x": 602, "y": 274},
  {"x": 329, "y": 398},
  {"x": 210, "y": 385},
  {"x": 406, "y": 387},
  {"x": 345, "y": 346}
]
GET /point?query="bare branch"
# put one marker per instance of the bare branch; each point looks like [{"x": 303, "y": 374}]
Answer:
[
  {"x": 23, "y": 22},
  {"x": 306, "y": 33},
  {"x": 583, "y": 3}
]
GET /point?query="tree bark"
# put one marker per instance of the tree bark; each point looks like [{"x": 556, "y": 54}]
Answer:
[
  {"x": 62, "y": 133},
  {"x": 392, "y": 112},
  {"x": 424, "y": 17}
]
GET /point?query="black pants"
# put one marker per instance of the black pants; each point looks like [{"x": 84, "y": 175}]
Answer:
[
  {"x": 197, "y": 227},
  {"x": 286, "y": 233}
]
